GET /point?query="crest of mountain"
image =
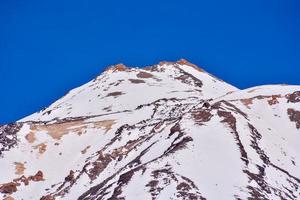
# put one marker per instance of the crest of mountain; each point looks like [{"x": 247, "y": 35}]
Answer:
[{"x": 167, "y": 131}]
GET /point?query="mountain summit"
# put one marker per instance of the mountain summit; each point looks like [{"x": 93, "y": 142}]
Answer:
[{"x": 167, "y": 131}]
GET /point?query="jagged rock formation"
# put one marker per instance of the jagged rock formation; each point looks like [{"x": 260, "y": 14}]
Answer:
[{"x": 168, "y": 131}]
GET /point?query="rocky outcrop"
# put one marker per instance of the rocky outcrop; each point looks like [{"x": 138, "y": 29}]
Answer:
[{"x": 8, "y": 136}]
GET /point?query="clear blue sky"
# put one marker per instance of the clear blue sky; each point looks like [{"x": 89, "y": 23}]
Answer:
[{"x": 48, "y": 47}]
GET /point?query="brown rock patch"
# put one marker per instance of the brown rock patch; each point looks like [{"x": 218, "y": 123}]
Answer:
[
  {"x": 179, "y": 145},
  {"x": 144, "y": 75},
  {"x": 294, "y": 116},
  {"x": 71, "y": 176},
  {"x": 57, "y": 130},
  {"x": 136, "y": 81},
  {"x": 294, "y": 97},
  {"x": 41, "y": 147},
  {"x": 114, "y": 94},
  {"x": 47, "y": 197},
  {"x": 107, "y": 124},
  {"x": 99, "y": 165},
  {"x": 174, "y": 129},
  {"x": 117, "y": 67},
  {"x": 9, "y": 188},
  {"x": 201, "y": 116},
  {"x": 247, "y": 102},
  {"x": 30, "y": 137},
  {"x": 273, "y": 99},
  {"x": 183, "y": 186},
  {"x": 8, "y": 136},
  {"x": 39, "y": 176},
  {"x": 185, "y": 62},
  {"x": 19, "y": 168}
]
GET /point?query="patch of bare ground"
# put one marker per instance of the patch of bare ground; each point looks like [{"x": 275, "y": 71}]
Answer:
[
  {"x": 294, "y": 116},
  {"x": 47, "y": 197},
  {"x": 8, "y": 198},
  {"x": 136, "y": 81},
  {"x": 30, "y": 137},
  {"x": 8, "y": 136},
  {"x": 99, "y": 165},
  {"x": 247, "y": 102},
  {"x": 19, "y": 168},
  {"x": 106, "y": 124},
  {"x": 41, "y": 147},
  {"x": 179, "y": 145},
  {"x": 144, "y": 75},
  {"x": 11, "y": 187},
  {"x": 201, "y": 116},
  {"x": 57, "y": 130},
  {"x": 272, "y": 99},
  {"x": 294, "y": 97},
  {"x": 71, "y": 176},
  {"x": 114, "y": 94},
  {"x": 117, "y": 67},
  {"x": 39, "y": 176}
]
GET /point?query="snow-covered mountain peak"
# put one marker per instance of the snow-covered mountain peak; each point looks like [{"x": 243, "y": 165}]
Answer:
[
  {"x": 124, "y": 88},
  {"x": 167, "y": 131}
]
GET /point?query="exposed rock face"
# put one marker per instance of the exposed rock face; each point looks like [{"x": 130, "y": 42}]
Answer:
[
  {"x": 8, "y": 136},
  {"x": 294, "y": 116},
  {"x": 294, "y": 97},
  {"x": 144, "y": 75},
  {"x": 168, "y": 131},
  {"x": 136, "y": 81},
  {"x": 37, "y": 177},
  {"x": 8, "y": 188}
]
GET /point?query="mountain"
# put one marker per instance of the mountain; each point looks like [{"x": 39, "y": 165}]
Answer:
[{"x": 167, "y": 131}]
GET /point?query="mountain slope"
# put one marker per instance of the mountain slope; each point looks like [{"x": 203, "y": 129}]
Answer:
[{"x": 168, "y": 131}]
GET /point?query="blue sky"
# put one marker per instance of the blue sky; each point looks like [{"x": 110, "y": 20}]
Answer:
[{"x": 48, "y": 47}]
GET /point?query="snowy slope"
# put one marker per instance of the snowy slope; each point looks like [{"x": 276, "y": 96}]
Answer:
[{"x": 168, "y": 131}]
